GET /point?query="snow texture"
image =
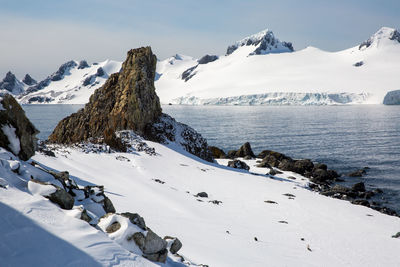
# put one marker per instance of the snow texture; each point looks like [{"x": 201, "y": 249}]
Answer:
[
  {"x": 14, "y": 143},
  {"x": 244, "y": 229}
]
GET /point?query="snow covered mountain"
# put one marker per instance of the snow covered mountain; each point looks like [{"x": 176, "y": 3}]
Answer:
[
  {"x": 73, "y": 83},
  {"x": 254, "y": 71},
  {"x": 10, "y": 84},
  {"x": 257, "y": 70}
]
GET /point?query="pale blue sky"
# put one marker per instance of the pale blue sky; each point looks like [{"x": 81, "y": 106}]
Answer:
[{"x": 37, "y": 36}]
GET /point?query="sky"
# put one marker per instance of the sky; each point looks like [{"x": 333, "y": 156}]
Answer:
[{"x": 36, "y": 37}]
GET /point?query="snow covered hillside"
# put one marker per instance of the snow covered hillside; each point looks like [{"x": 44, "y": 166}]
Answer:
[
  {"x": 73, "y": 83},
  {"x": 246, "y": 218},
  {"x": 255, "y": 71}
]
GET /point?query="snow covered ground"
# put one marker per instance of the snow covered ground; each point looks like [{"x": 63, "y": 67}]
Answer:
[{"x": 306, "y": 229}]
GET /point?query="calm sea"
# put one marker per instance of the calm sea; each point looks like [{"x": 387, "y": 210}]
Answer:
[{"x": 346, "y": 138}]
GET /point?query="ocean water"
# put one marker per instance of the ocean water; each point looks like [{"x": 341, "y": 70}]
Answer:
[{"x": 346, "y": 138}]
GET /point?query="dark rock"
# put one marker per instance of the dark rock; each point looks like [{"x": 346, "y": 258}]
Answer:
[
  {"x": 39, "y": 99},
  {"x": 361, "y": 202},
  {"x": 276, "y": 155},
  {"x": 28, "y": 80},
  {"x": 100, "y": 72},
  {"x": 320, "y": 166},
  {"x": 231, "y": 154},
  {"x": 153, "y": 243},
  {"x": 83, "y": 64},
  {"x": 303, "y": 165},
  {"x": 157, "y": 257},
  {"x": 135, "y": 219},
  {"x": 357, "y": 173},
  {"x": 12, "y": 115},
  {"x": 176, "y": 244},
  {"x": 358, "y": 64},
  {"x": 85, "y": 216},
  {"x": 264, "y": 164},
  {"x": 322, "y": 176},
  {"x": 108, "y": 205},
  {"x": 396, "y": 235},
  {"x": 274, "y": 172},
  {"x": 216, "y": 202},
  {"x": 247, "y": 157},
  {"x": 139, "y": 239},
  {"x": 207, "y": 59},
  {"x": 62, "y": 71},
  {"x": 286, "y": 165},
  {"x": 202, "y": 194},
  {"x": 216, "y": 152},
  {"x": 189, "y": 73},
  {"x": 113, "y": 227},
  {"x": 358, "y": 187},
  {"x": 237, "y": 164},
  {"x": 245, "y": 150},
  {"x": 62, "y": 198}
]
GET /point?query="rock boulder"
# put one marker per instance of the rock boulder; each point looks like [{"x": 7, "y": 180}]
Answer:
[{"x": 17, "y": 133}]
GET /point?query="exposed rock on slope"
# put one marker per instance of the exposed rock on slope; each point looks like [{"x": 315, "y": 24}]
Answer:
[
  {"x": 17, "y": 133},
  {"x": 128, "y": 101}
]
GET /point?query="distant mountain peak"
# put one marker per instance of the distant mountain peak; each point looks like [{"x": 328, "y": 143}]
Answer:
[
  {"x": 28, "y": 80},
  {"x": 264, "y": 42},
  {"x": 382, "y": 36},
  {"x": 11, "y": 84}
]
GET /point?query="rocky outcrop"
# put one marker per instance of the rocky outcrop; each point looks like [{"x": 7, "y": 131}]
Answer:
[
  {"x": 128, "y": 101},
  {"x": 238, "y": 164},
  {"x": 216, "y": 152},
  {"x": 17, "y": 133},
  {"x": 11, "y": 84},
  {"x": 28, "y": 80}
]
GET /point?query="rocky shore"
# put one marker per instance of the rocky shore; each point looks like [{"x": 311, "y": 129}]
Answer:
[{"x": 325, "y": 181}]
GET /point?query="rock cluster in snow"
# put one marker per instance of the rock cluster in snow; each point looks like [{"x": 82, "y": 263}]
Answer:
[
  {"x": 90, "y": 204},
  {"x": 128, "y": 101},
  {"x": 17, "y": 133}
]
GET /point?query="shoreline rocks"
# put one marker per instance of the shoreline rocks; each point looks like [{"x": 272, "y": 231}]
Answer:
[{"x": 322, "y": 179}]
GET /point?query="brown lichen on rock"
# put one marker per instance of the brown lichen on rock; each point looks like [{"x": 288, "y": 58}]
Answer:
[{"x": 126, "y": 101}]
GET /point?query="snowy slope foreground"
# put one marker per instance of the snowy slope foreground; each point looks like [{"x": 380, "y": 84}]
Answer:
[
  {"x": 255, "y": 71},
  {"x": 73, "y": 83},
  {"x": 245, "y": 219}
]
